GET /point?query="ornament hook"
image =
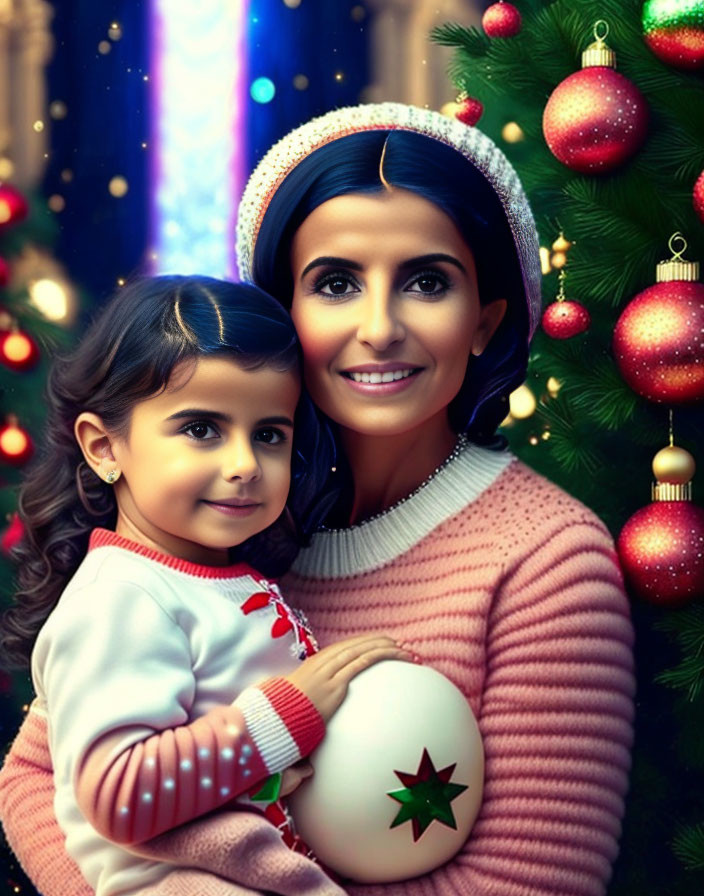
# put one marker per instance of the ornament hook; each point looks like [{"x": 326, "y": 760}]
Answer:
[
  {"x": 560, "y": 297},
  {"x": 677, "y": 256},
  {"x": 604, "y": 28}
]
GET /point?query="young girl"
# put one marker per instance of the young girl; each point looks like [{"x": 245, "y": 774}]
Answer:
[{"x": 169, "y": 667}]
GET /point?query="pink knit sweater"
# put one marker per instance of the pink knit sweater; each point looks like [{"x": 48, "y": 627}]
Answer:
[{"x": 511, "y": 588}]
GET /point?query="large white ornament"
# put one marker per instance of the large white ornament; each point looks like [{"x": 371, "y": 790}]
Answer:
[{"x": 393, "y": 714}]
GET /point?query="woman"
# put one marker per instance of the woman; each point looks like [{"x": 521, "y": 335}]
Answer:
[{"x": 405, "y": 246}]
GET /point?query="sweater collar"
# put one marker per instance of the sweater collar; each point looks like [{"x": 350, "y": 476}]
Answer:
[
  {"x": 100, "y": 538},
  {"x": 373, "y": 544}
]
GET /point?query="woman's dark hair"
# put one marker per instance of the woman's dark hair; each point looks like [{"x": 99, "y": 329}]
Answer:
[
  {"x": 126, "y": 356},
  {"x": 439, "y": 173}
]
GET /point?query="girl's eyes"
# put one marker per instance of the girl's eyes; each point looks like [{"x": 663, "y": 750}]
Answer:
[
  {"x": 270, "y": 436},
  {"x": 200, "y": 431}
]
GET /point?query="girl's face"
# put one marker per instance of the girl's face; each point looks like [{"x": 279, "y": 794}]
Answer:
[
  {"x": 386, "y": 307},
  {"x": 206, "y": 463}
]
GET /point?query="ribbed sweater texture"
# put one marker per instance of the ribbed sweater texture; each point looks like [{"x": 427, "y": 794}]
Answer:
[{"x": 509, "y": 587}]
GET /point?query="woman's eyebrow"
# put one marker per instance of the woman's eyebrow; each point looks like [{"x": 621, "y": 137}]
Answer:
[
  {"x": 331, "y": 260},
  {"x": 434, "y": 257}
]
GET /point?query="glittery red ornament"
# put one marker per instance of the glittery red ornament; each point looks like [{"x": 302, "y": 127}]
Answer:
[
  {"x": 16, "y": 446},
  {"x": 564, "y": 319},
  {"x": 501, "y": 20},
  {"x": 698, "y": 197},
  {"x": 470, "y": 111},
  {"x": 661, "y": 549},
  {"x": 596, "y": 118},
  {"x": 674, "y": 31},
  {"x": 18, "y": 351},
  {"x": 12, "y": 535},
  {"x": 658, "y": 341},
  {"x": 4, "y": 272},
  {"x": 13, "y": 206}
]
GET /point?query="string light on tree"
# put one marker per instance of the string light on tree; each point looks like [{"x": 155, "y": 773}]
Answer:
[
  {"x": 501, "y": 19},
  {"x": 16, "y": 446},
  {"x": 565, "y": 318},
  {"x": 4, "y": 272},
  {"x": 674, "y": 31},
  {"x": 596, "y": 118},
  {"x": 658, "y": 341},
  {"x": 661, "y": 547},
  {"x": 18, "y": 350},
  {"x": 522, "y": 403}
]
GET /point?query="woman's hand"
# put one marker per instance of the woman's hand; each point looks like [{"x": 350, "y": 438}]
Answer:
[{"x": 325, "y": 676}]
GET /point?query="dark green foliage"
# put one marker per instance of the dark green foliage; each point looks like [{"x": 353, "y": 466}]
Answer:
[{"x": 597, "y": 438}]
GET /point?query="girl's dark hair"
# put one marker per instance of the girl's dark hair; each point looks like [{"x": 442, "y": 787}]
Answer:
[
  {"x": 126, "y": 356},
  {"x": 442, "y": 175}
]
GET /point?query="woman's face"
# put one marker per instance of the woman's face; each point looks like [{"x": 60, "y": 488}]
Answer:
[{"x": 386, "y": 306}]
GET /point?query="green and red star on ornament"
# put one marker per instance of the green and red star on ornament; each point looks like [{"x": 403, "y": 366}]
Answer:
[{"x": 426, "y": 796}]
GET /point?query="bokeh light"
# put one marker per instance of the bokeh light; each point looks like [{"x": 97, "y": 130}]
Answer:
[{"x": 262, "y": 90}]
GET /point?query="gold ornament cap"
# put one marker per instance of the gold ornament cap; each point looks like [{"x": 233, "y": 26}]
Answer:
[
  {"x": 677, "y": 268},
  {"x": 598, "y": 53},
  {"x": 674, "y": 465},
  {"x": 674, "y": 468}
]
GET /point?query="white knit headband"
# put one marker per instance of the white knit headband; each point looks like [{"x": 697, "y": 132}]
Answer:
[{"x": 476, "y": 147}]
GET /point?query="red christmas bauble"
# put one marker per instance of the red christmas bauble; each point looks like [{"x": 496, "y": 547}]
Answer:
[
  {"x": 564, "y": 319},
  {"x": 698, "y": 197},
  {"x": 501, "y": 20},
  {"x": 18, "y": 351},
  {"x": 12, "y": 535},
  {"x": 4, "y": 272},
  {"x": 470, "y": 111},
  {"x": 661, "y": 549},
  {"x": 674, "y": 31},
  {"x": 658, "y": 342},
  {"x": 16, "y": 446},
  {"x": 594, "y": 120},
  {"x": 13, "y": 206}
]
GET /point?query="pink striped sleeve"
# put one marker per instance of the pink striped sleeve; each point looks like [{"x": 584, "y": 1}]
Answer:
[
  {"x": 181, "y": 773},
  {"x": 557, "y": 722},
  {"x": 27, "y": 813}
]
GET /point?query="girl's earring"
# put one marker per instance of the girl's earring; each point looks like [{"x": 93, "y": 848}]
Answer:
[{"x": 111, "y": 477}]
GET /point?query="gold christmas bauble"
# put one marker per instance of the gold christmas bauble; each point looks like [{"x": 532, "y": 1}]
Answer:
[
  {"x": 561, "y": 244},
  {"x": 673, "y": 464}
]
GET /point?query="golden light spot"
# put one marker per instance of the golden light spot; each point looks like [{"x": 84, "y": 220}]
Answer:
[
  {"x": 522, "y": 402},
  {"x": 13, "y": 441},
  {"x": 512, "y": 132},
  {"x": 118, "y": 186},
  {"x": 58, "y": 110}
]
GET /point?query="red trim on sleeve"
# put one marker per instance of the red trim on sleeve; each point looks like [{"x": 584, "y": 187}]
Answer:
[{"x": 297, "y": 712}]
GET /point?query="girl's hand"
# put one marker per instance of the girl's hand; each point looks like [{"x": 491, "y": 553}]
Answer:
[
  {"x": 324, "y": 677},
  {"x": 292, "y": 776}
]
